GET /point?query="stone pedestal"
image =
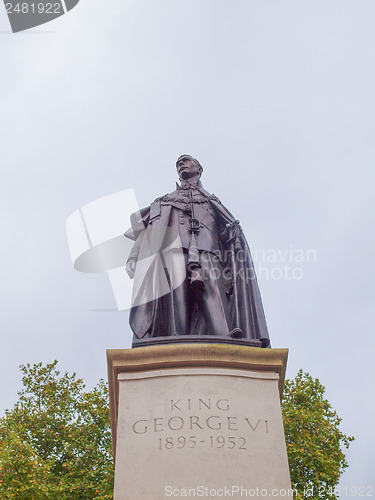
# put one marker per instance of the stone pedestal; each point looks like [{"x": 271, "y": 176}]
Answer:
[{"x": 198, "y": 417}]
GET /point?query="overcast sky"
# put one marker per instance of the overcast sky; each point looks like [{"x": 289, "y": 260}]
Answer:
[{"x": 275, "y": 98}]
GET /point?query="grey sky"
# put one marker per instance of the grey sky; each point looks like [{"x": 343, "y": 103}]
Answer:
[{"x": 275, "y": 98}]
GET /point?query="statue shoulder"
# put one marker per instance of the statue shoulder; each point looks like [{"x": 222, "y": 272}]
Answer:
[
  {"x": 160, "y": 198},
  {"x": 214, "y": 198},
  {"x": 209, "y": 196},
  {"x": 173, "y": 197}
]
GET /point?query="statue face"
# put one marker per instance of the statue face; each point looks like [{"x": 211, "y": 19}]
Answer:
[{"x": 187, "y": 167}]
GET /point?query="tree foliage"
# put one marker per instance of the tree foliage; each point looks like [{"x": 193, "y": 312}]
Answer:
[
  {"x": 56, "y": 443},
  {"x": 313, "y": 438}
]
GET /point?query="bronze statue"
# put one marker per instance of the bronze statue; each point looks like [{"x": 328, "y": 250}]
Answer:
[{"x": 193, "y": 271}]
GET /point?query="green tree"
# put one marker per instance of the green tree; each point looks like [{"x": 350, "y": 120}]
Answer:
[
  {"x": 313, "y": 438},
  {"x": 56, "y": 442}
]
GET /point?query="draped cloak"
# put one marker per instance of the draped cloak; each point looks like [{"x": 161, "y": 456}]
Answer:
[{"x": 161, "y": 255}]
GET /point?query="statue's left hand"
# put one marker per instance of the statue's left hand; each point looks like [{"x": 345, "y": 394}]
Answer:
[{"x": 130, "y": 268}]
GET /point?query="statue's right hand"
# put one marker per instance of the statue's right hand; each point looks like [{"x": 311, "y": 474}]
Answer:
[{"x": 130, "y": 268}]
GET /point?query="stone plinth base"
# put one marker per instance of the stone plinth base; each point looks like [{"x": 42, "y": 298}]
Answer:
[
  {"x": 198, "y": 339},
  {"x": 198, "y": 417}
]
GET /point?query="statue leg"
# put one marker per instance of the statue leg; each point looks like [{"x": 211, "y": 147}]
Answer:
[
  {"x": 212, "y": 300},
  {"x": 179, "y": 315}
]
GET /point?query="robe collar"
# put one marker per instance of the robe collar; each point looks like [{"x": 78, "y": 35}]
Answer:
[{"x": 185, "y": 185}]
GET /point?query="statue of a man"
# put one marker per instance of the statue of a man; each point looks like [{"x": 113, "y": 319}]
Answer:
[{"x": 192, "y": 267}]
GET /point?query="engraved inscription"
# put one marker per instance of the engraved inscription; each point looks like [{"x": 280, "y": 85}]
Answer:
[
  {"x": 212, "y": 418},
  {"x": 231, "y": 442}
]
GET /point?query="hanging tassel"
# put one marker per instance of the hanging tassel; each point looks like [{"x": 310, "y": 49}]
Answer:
[{"x": 194, "y": 265}]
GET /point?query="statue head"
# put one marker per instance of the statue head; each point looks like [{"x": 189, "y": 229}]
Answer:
[{"x": 188, "y": 167}]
